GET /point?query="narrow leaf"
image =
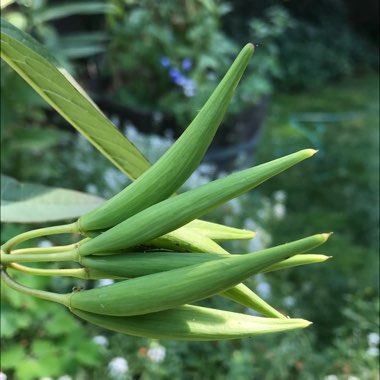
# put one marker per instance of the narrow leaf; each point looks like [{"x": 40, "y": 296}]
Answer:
[
  {"x": 297, "y": 261},
  {"x": 30, "y": 203},
  {"x": 219, "y": 232},
  {"x": 36, "y": 65},
  {"x": 78, "y": 8}
]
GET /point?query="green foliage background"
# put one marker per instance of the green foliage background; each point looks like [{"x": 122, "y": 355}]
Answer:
[{"x": 324, "y": 95}]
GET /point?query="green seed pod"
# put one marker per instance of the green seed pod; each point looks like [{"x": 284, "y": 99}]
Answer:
[
  {"x": 296, "y": 261},
  {"x": 177, "y": 211},
  {"x": 219, "y": 232},
  {"x": 187, "y": 240},
  {"x": 190, "y": 322},
  {"x": 165, "y": 290},
  {"x": 137, "y": 264},
  {"x": 169, "y": 173},
  {"x": 182, "y": 239}
]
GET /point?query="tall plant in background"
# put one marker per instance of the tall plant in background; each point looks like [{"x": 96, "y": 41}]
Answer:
[{"x": 184, "y": 50}]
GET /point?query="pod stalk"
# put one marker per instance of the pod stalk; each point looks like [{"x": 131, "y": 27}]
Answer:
[{"x": 63, "y": 299}]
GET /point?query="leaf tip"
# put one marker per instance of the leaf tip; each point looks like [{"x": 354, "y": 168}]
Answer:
[
  {"x": 307, "y": 323},
  {"x": 311, "y": 152},
  {"x": 326, "y": 235},
  {"x": 250, "y": 46}
]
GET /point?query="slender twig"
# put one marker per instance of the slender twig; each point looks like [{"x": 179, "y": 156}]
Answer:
[
  {"x": 72, "y": 272},
  {"x": 62, "y": 229},
  {"x": 42, "y": 257},
  {"x": 83, "y": 273},
  {"x": 63, "y": 299},
  {"x": 54, "y": 249}
]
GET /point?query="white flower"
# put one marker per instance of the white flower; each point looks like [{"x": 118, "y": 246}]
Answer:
[
  {"x": 105, "y": 282},
  {"x": 279, "y": 211},
  {"x": 45, "y": 244},
  {"x": 352, "y": 378},
  {"x": 46, "y": 378},
  {"x": 156, "y": 353},
  {"x": 331, "y": 377},
  {"x": 100, "y": 340},
  {"x": 373, "y": 351},
  {"x": 118, "y": 367},
  {"x": 3, "y": 376},
  {"x": 65, "y": 377},
  {"x": 373, "y": 339},
  {"x": 279, "y": 196}
]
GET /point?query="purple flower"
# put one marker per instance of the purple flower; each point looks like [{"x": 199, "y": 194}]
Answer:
[
  {"x": 187, "y": 64},
  {"x": 176, "y": 76},
  {"x": 165, "y": 62}
]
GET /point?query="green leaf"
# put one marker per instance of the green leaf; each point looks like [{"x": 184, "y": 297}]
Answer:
[
  {"x": 35, "y": 138},
  {"x": 77, "y": 8},
  {"x": 30, "y": 203},
  {"x": 60, "y": 324},
  {"x": 29, "y": 369},
  {"x": 11, "y": 356},
  {"x": 36, "y": 65}
]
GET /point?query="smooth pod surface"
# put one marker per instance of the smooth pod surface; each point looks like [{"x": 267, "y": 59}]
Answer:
[
  {"x": 176, "y": 211},
  {"x": 136, "y": 264},
  {"x": 170, "y": 289},
  {"x": 178, "y": 163},
  {"x": 190, "y": 322}
]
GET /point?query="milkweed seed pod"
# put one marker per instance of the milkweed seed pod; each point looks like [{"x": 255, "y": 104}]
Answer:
[
  {"x": 177, "y": 164},
  {"x": 176, "y": 287},
  {"x": 176, "y": 211},
  {"x": 190, "y": 322}
]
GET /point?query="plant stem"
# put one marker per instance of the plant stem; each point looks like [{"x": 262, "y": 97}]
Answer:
[
  {"x": 61, "y": 248},
  {"x": 62, "y": 229},
  {"x": 83, "y": 273},
  {"x": 43, "y": 257},
  {"x": 63, "y": 299},
  {"x": 74, "y": 272}
]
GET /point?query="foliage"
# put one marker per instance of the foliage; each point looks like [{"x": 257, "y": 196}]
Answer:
[
  {"x": 40, "y": 336},
  {"x": 321, "y": 58},
  {"x": 41, "y": 17},
  {"x": 324, "y": 350},
  {"x": 342, "y": 123},
  {"x": 185, "y": 51},
  {"x": 314, "y": 356},
  {"x": 62, "y": 92}
]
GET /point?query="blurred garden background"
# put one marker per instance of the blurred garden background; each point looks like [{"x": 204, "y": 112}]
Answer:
[{"x": 313, "y": 83}]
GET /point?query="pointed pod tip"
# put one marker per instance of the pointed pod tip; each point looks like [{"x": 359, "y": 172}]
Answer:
[
  {"x": 323, "y": 258},
  {"x": 307, "y": 323},
  {"x": 311, "y": 152},
  {"x": 326, "y": 235},
  {"x": 249, "y": 46}
]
